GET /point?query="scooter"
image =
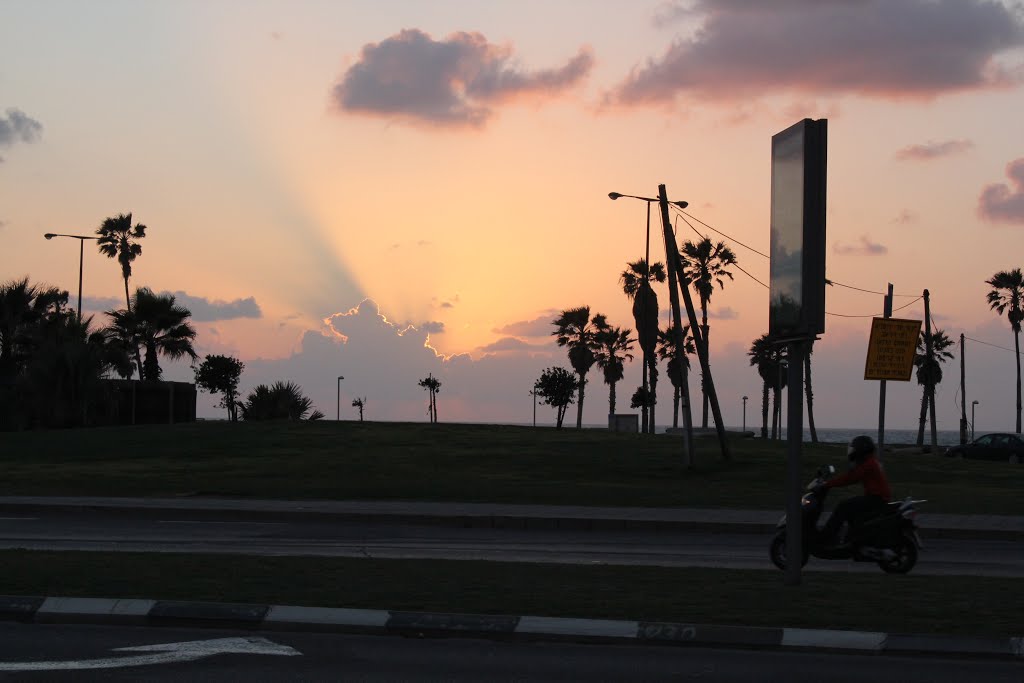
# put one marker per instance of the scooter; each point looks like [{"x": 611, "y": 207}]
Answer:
[{"x": 890, "y": 539}]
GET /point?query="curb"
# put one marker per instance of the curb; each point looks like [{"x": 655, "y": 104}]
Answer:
[
  {"x": 51, "y": 610},
  {"x": 521, "y": 522}
]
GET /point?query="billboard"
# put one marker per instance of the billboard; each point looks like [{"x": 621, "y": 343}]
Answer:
[{"x": 796, "y": 301}]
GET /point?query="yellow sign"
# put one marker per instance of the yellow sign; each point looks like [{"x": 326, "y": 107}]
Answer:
[{"x": 891, "y": 349}]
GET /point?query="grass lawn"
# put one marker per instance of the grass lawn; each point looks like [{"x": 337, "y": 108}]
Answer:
[
  {"x": 469, "y": 463},
  {"x": 877, "y": 602}
]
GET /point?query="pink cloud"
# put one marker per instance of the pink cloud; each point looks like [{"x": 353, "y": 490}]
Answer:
[
  {"x": 933, "y": 150},
  {"x": 1002, "y": 203}
]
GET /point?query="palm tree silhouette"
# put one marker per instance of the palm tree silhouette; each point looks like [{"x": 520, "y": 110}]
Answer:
[
  {"x": 704, "y": 265},
  {"x": 159, "y": 324},
  {"x": 1007, "y": 290},
  {"x": 118, "y": 240},
  {"x": 22, "y": 306},
  {"x": 433, "y": 385},
  {"x": 636, "y": 285},
  {"x": 574, "y": 331},
  {"x": 612, "y": 350},
  {"x": 667, "y": 351},
  {"x": 929, "y": 372},
  {"x": 770, "y": 360}
]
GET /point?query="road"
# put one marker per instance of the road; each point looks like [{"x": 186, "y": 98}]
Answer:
[
  {"x": 118, "y": 530},
  {"x": 64, "y": 653}
]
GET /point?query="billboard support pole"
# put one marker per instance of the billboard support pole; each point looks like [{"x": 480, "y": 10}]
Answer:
[
  {"x": 931, "y": 363},
  {"x": 794, "y": 431},
  {"x": 887, "y": 308}
]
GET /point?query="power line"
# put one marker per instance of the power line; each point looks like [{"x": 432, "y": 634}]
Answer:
[
  {"x": 995, "y": 346},
  {"x": 729, "y": 237}
]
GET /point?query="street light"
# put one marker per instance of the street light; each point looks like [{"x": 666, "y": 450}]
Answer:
[
  {"x": 647, "y": 264},
  {"x": 744, "y": 413},
  {"x": 533, "y": 392},
  {"x": 339, "y": 397},
  {"x": 81, "y": 257},
  {"x": 973, "y": 403}
]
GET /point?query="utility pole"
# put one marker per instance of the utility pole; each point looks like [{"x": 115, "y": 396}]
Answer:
[
  {"x": 887, "y": 313},
  {"x": 672, "y": 254},
  {"x": 963, "y": 394},
  {"x": 930, "y": 361}
]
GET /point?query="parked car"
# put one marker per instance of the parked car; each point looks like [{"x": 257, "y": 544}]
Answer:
[{"x": 1003, "y": 447}]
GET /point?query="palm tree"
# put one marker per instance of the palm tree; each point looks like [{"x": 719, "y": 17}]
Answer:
[
  {"x": 280, "y": 401},
  {"x": 433, "y": 385},
  {"x": 22, "y": 307},
  {"x": 704, "y": 264},
  {"x": 157, "y": 323},
  {"x": 636, "y": 285},
  {"x": 770, "y": 360},
  {"x": 117, "y": 240},
  {"x": 929, "y": 371},
  {"x": 667, "y": 351},
  {"x": 1007, "y": 290},
  {"x": 359, "y": 403},
  {"x": 575, "y": 332},
  {"x": 613, "y": 347}
]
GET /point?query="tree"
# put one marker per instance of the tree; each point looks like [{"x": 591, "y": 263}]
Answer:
[
  {"x": 22, "y": 307},
  {"x": 157, "y": 323},
  {"x": 119, "y": 239},
  {"x": 220, "y": 375},
  {"x": 556, "y": 387},
  {"x": 929, "y": 371},
  {"x": 770, "y": 360},
  {"x": 636, "y": 285},
  {"x": 1005, "y": 297},
  {"x": 667, "y": 351},
  {"x": 612, "y": 350},
  {"x": 359, "y": 403},
  {"x": 433, "y": 385},
  {"x": 280, "y": 401},
  {"x": 704, "y": 264},
  {"x": 575, "y": 332}
]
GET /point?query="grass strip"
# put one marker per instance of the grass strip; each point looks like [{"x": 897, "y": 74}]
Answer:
[
  {"x": 908, "y": 604},
  {"x": 466, "y": 463}
]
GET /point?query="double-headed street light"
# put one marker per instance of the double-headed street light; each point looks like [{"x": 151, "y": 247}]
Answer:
[
  {"x": 973, "y": 403},
  {"x": 744, "y": 413},
  {"x": 81, "y": 257},
  {"x": 340, "y": 377}
]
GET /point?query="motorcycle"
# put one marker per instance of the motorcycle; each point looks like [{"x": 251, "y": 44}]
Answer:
[{"x": 889, "y": 539}]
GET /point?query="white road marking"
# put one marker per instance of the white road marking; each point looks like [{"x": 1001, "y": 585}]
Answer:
[
  {"x": 24, "y": 519},
  {"x": 163, "y": 653},
  {"x": 193, "y": 521}
]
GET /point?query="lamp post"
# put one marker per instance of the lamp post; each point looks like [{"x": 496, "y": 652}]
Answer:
[
  {"x": 744, "y": 413},
  {"x": 647, "y": 265},
  {"x": 81, "y": 258},
  {"x": 973, "y": 403},
  {"x": 339, "y": 397},
  {"x": 533, "y": 392}
]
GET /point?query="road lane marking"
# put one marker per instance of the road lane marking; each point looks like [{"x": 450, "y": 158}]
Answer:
[
  {"x": 163, "y": 653},
  {"x": 22, "y": 519}
]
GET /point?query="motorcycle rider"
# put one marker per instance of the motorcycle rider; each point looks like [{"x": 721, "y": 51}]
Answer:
[{"x": 864, "y": 468}]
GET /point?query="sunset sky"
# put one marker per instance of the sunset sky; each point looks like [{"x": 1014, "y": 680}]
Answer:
[{"x": 387, "y": 189}]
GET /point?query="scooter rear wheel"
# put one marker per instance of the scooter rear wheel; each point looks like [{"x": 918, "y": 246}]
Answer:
[
  {"x": 777, "y": 551},
  {"x": 906, "y": 557}
]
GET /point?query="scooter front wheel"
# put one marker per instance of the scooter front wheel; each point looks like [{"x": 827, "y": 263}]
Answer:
[{"x": 777, "y": 551}]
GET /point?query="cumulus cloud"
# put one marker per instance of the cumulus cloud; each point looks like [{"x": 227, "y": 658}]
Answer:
[
  {"x": 1002, "y": 203},
  {"x": 863, "y": 246},
  {"x": 453, "y": 82},
  {"x": 512, "y": 344},
  {"x": 537, "y": 327},
  {"x": 432, "y": 327},
  {"x": 202, "y": 309},
  {"x": 17, "y": 126},
  {"x": 726, "y": 313},
  {"x": 880, "y": 48},
  {"x": 933, "y": 150}
]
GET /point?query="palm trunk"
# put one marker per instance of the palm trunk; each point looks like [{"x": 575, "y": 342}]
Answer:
[
  {"x": 704, "y": 394},
  {"x": 611, "y": 398},
  {"x": 675, "y": 407},
  {"x": 579, "y": 408},
  {"x": 924, "y": 414},
  {"x": 775, "y": 413},
  {"x": 1016, "y": 344},
  {"x": 643, "y": 408},
  {"x": 764, "y": 411},
  {"x": 434, "y": 399},
  {"x": 810, "y": 396},
  {"x": 128, "y": 306},
  {"x": 653, "y": 398}
]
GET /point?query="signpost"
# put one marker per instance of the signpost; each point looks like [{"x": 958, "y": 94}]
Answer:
[{"x": 891, "y": 349}]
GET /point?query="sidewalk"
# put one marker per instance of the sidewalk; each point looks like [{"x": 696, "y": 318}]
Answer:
[{"x": 504, "y": 515}]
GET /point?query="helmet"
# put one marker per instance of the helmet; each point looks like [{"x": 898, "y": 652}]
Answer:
[{"x": 860, "y": 448}]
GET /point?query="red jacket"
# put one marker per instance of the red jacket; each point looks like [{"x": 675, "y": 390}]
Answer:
[{"x": 869, "y": 473}]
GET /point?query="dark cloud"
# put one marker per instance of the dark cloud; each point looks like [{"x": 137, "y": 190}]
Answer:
[
  {"x": 1002, "y": 203},
  {"x": 864, "y": 246},
  {"x": 882, "y": 48},
  {"x": 511, "y": 344},
  {"x": 202, "y": 309},
  {"x": 17, "y": 126},
  {"x": 933, "y": 150},
  {"x": 451, "y": 82},
  {"x": 432, "y": 327},
  {"x": 726, "y": 313},
  {"x": 538, "y": 327}
]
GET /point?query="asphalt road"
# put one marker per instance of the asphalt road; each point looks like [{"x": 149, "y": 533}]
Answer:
[
  {"x": 66, "y": 653},
  {"x": 107, "y": 530}
]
